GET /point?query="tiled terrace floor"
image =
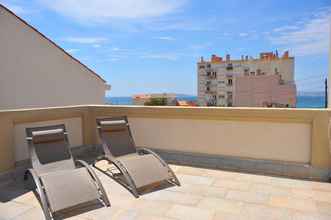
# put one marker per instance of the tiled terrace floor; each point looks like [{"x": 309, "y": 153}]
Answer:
[{"x": 204, "y": 195}]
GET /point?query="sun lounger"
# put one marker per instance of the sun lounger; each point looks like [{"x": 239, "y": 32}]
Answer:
[
  {"x": 138, "y": 167},
  {"x": 59, "y": 183}
]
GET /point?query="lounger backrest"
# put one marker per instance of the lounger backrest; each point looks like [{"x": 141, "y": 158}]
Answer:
[
  {"x": 49, "y": 144},
  {"x": 116, "y": 136}
]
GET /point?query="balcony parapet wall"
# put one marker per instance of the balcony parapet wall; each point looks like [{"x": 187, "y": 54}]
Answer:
[{"x": 277, "y": 136}]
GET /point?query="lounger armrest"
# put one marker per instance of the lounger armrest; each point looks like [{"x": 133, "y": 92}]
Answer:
[
  {"x": 41, "y": 193},
  {"x": 144, "y": 150}
]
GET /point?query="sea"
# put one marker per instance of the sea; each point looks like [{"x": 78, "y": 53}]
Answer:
[{"x": 302, "y": 101}]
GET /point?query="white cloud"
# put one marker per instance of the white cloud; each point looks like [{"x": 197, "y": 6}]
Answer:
[
  {"x": 105, "y": 10},
  {"x": 166, "y": 38},
  {"x": 86, "y": 40},
  {"x": 311, "y": 38},
  {"x": 243, "y": 34},
  {"x": 286, "y": 28},
  {"x": 170, "y": 57}
]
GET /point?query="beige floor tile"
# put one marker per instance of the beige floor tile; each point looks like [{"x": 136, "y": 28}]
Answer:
[
  {"x": 191, "y": 171},
  {"x": 309, "y": 216},
  {"x": 173, "y": 197},
  {"x": 10, "y": 210},
  {"x": 270, "y": 190},
  {"x": 195, "y": 180},
  {"x": 291, "y": 183},
  {"x": 151, "y": 207},
  {"x": 253, "y": 178},
  {"x": 293, "y": 203},
  {"x": 129, "y": 214},
  {"x": 101, "y": 213},
  {"x": 220, "y": 174},
  {"x": 211, "y": 191},
  {"x": 222, "y": 205},
  {"x": 322, "y": 196},
  {"x": 324, "y": 207},
  {"x": 232, "y": 184},
  {"x": 32, "y": 214},
  {"x": 301, "y": 193},
  {"x": 153, "y": 217},
  {"x": 254, "y": 211},
  {"x": 28, "y": 198},
  {"x": 189, "y": 213},
  {"x": 321, "y": 186},
  {"x": 251, "y": 197},
  {"x": 204, "y": 194},
  {"x": 219, "y": 215}
]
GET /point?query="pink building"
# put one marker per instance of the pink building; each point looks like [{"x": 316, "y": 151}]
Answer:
[{"x": 263, "y": 91}]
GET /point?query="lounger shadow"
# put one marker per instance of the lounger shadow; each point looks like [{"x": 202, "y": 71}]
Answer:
[
  {"x": 137, "y": 168},
  {"x": 59, "y": 183}
]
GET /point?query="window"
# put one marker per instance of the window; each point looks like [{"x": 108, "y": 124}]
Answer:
[
  {"x": 201, "y": 66},
  {"x": 252, "y": 73},
  {"x": 208, "y": 65},
  {"x": 246, "y": 72},
  {"x": 258, "y": 72},
  {"x": 229, "y": 82},
  {"x": 229, "y": 66},
  {"x": 276, "y": 71},
  {"x": 221, "y": 96}
]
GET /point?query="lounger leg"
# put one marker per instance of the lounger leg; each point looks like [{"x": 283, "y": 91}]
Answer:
[
  {"x": 176, "y": 181},
  {"x": 97, "y": 181},
  {"x": 40, "y": 192}
]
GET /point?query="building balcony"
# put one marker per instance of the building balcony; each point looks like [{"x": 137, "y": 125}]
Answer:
[{"x": 233, "y": 163}]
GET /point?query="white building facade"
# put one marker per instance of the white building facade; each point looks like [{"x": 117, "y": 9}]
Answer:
[
  {"x": 35, "y": 72},
  {"x": 217, "y": 77}
]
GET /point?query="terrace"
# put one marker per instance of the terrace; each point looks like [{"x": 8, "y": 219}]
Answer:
[{"x": 233, "y": 163}]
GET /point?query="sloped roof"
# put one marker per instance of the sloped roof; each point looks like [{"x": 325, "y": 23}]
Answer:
[{"x": 52, "y": 42}]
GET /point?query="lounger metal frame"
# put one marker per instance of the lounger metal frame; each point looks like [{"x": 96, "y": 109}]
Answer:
[
  {"x": 110, "y": 158},
  {"x": 40, "y": 189}
]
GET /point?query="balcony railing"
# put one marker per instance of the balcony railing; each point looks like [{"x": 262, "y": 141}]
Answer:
[{"x": 291, "y": 142}]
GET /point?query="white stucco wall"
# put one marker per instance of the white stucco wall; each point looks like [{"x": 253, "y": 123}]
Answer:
[
  {"x": 246, "y": 139},
  {"x": 35, "y": 73}
]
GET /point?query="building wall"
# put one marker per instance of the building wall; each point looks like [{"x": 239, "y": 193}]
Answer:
[
  {"x": 220, "y": 137},
  {"x": 329, "y": 78},
  {"x": 220, "y": 91},
  {"x": 262, "y": 91},
  {"x": 35, "y": 73}
]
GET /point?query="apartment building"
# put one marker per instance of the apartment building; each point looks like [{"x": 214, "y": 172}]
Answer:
[{"x": 267, "y": 81}]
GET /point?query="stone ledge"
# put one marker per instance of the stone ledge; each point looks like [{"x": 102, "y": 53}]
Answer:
[
  {"x": 90, "y": 153},
  {"x": 277, "y": 168}
]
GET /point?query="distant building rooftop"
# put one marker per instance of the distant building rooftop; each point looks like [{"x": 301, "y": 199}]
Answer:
[{"x": 268, "y": 56}]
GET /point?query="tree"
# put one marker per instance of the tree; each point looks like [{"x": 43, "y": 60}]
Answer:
[{"x": 156, "y": 102}]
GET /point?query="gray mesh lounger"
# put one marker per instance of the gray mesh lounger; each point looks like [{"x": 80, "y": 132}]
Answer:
[
  {"x": 138, "y": 167},
  {"x": 59, "y": 183}
]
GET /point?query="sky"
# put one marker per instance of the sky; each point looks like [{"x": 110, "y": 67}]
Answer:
[{"x": 143, "y": 46}]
